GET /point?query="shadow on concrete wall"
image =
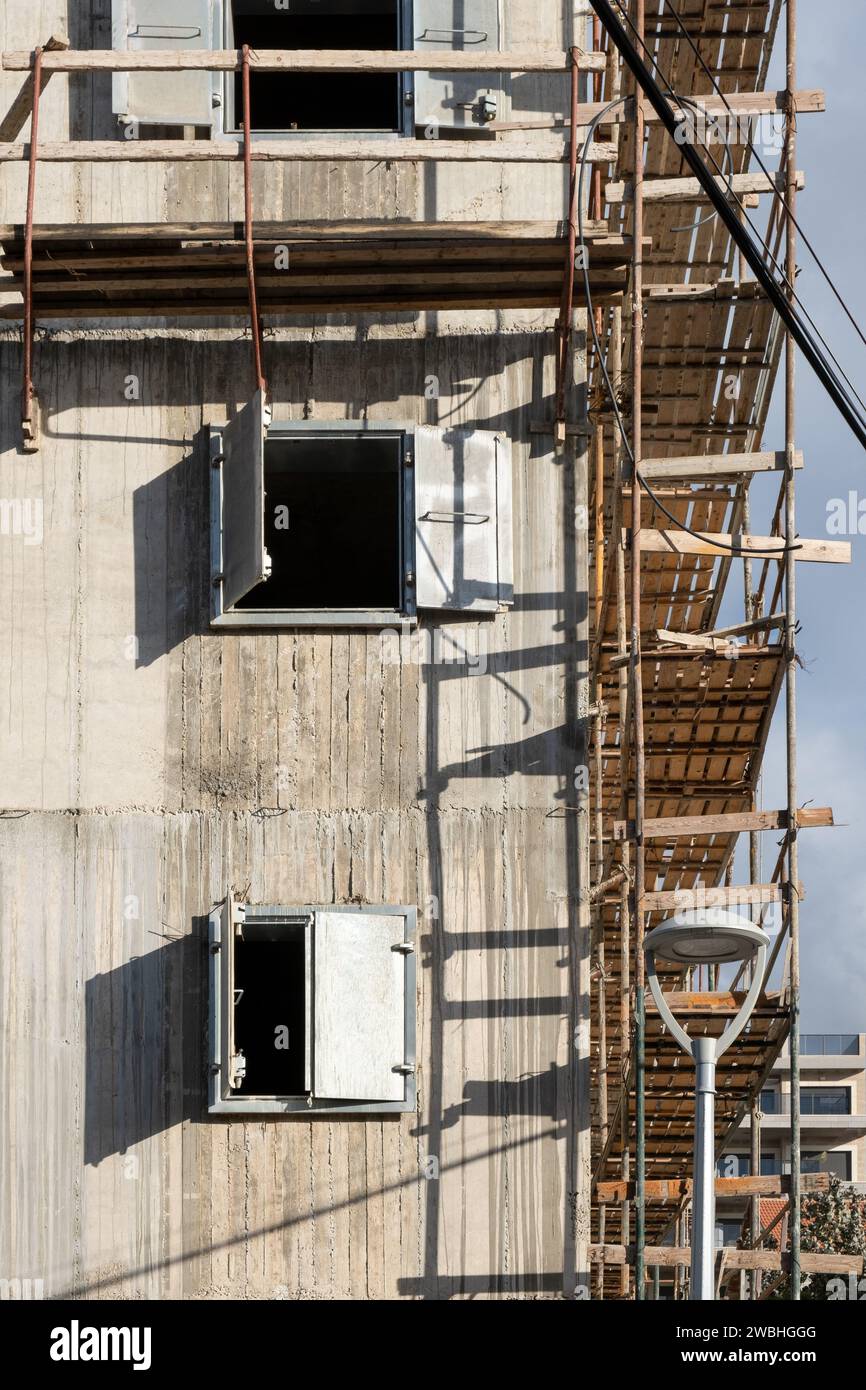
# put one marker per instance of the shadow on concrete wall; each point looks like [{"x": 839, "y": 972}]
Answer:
[
  {"x": 171, "y": 542},
  {"x": 144, "y": 1047},
  {"x": 544, "y": 1094}
]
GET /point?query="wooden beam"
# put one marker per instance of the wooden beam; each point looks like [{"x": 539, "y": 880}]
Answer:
[
  {"x": 697, "y": 292},
  {"x": 19, "y": 112},
  {"x": 709, "y": 642},
  {"x": 748, "y": 103},
  {"x": 685, "y": 190},
  {"x": 305, "y": 60},
  {"x": 741, "y": 104},
  {"x": 331, "y": 299},
  {"x": 302, "y": 149},
  {"x": 717, "y": 1003},
  {"x": 772, "y": 1260},
  {"x": 675, "y": 1189},
  {"x": 389, "y": 230},
  {"x": 672, "y": 542},
  {"x": 733, "y": 823},
  {"x": 719, "y": 639},
  {"x": 703, "y": 468},
  {"x": 684, "y": 899}
]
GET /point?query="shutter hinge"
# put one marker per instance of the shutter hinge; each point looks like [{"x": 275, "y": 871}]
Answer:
[
  {"x": 237, "y": 1070},
  {"x": 405, "y": 1068},
  {"x": 404, "y": 947}
]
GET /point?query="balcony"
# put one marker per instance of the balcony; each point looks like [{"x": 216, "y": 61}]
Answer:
[{"x": 827, "y": 1052}]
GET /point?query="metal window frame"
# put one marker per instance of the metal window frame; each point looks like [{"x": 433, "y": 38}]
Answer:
[
  {"x": 243, "y": 1106},
  {"x": 223, "y": 94},
  {"x": 811, "y": 1088},
  {"x": 818, "y": 1154},
  {"x": 258, "y": 618}
]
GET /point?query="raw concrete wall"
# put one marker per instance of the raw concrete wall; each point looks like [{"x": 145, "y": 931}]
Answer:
[{"x": 150, "y": 764}]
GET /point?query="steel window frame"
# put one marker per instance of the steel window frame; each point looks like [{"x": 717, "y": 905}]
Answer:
[
  {"x": 223, "y": 94},
  {"x": 279, "y": 915},
  {"x": 258, "y": 618}
]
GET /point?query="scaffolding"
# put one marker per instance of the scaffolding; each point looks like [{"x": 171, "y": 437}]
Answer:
[{"x": 678, "y": 701}]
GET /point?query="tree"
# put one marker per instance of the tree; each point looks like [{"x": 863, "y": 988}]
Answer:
[{"x": 832, "y": 1223}]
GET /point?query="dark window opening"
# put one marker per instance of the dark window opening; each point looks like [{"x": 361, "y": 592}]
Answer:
[
  {"x": 269, "y": 1009},
  {"x": 332, "y": 524},
  {"x": 771, "y": 1101},
  {"x": 740, "y": 1165},
  {"x": 319, "y": 101},
  {"x": 838, "y": 1164},
  {"x": 825, "y": 1100}
]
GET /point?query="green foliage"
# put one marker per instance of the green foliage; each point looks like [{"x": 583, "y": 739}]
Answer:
[{"x": 832, "y": 1223}]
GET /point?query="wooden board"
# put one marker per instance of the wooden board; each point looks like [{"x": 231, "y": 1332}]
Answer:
[
  {"x": 672, "y": 1190},
  {"x": 683, "y": 543},
  {"x": 684, "y": 899},
  {"x": 305, "y": 60},
  {"x": 714, "y": 467},
  {"x": 305, "y": 149},
  {"x": 658, "y": 828},
  {"x": 101, "y": 277},
  {"x": 687, "y": 190}
]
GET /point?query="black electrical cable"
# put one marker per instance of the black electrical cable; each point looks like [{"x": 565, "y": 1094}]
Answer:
[
  {"x": 737, "y": 230},
  {"x": 775, "y": 193},
  {"x": 638, "y": 476}
]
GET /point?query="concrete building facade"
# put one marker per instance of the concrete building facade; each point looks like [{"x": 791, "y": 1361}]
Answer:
[{"x": 154, "y": 764}]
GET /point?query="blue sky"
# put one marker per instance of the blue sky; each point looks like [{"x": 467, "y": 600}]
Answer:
[{"x": 831, "y": 599}]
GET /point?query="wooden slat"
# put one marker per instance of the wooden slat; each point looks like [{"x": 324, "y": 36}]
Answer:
[
  {"x": 389, "y": 230},
  {"x": 733, "y": 823},
  {"x": 717, "y": 1003},
  {"x": 686, "y": 190},
  {"x": 305, "y": 150},
  {"x": 684, "y": 899},
  {"x": 706, "y": 543},
  {"x": 667, "y": 1256},
  {"x": 336, "y": 301},
  {"x": 741, "y": 104},
  {"x": 709, "y": 467},
  {"x": 674, "y": 1189},
  {"x": 305, "y": 60}
]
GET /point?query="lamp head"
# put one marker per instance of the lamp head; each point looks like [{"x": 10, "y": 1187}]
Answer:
[{"x": 706, "y": 936}]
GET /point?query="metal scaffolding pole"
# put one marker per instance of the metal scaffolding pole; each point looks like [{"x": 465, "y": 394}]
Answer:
[
  {"x": 637, "y": 676},
  {"x": 793, "y": 904}
]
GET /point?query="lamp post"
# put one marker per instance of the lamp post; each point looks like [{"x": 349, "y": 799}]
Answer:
[{"x": 706, "y": 936}]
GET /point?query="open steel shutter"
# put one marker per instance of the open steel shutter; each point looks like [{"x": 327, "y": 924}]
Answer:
[
  {"x": 456, "y": 100},
  {"x": 245, "y": 560},
  {"x": 359, "y": 1006},
  {"x": 463, "y": 543},
  {"x": 163, "y": 98},
  {"x": 230, "y": 916}
]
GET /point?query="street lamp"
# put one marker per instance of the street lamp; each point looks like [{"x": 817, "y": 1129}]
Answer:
[{"x": 706, "y": 936}]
